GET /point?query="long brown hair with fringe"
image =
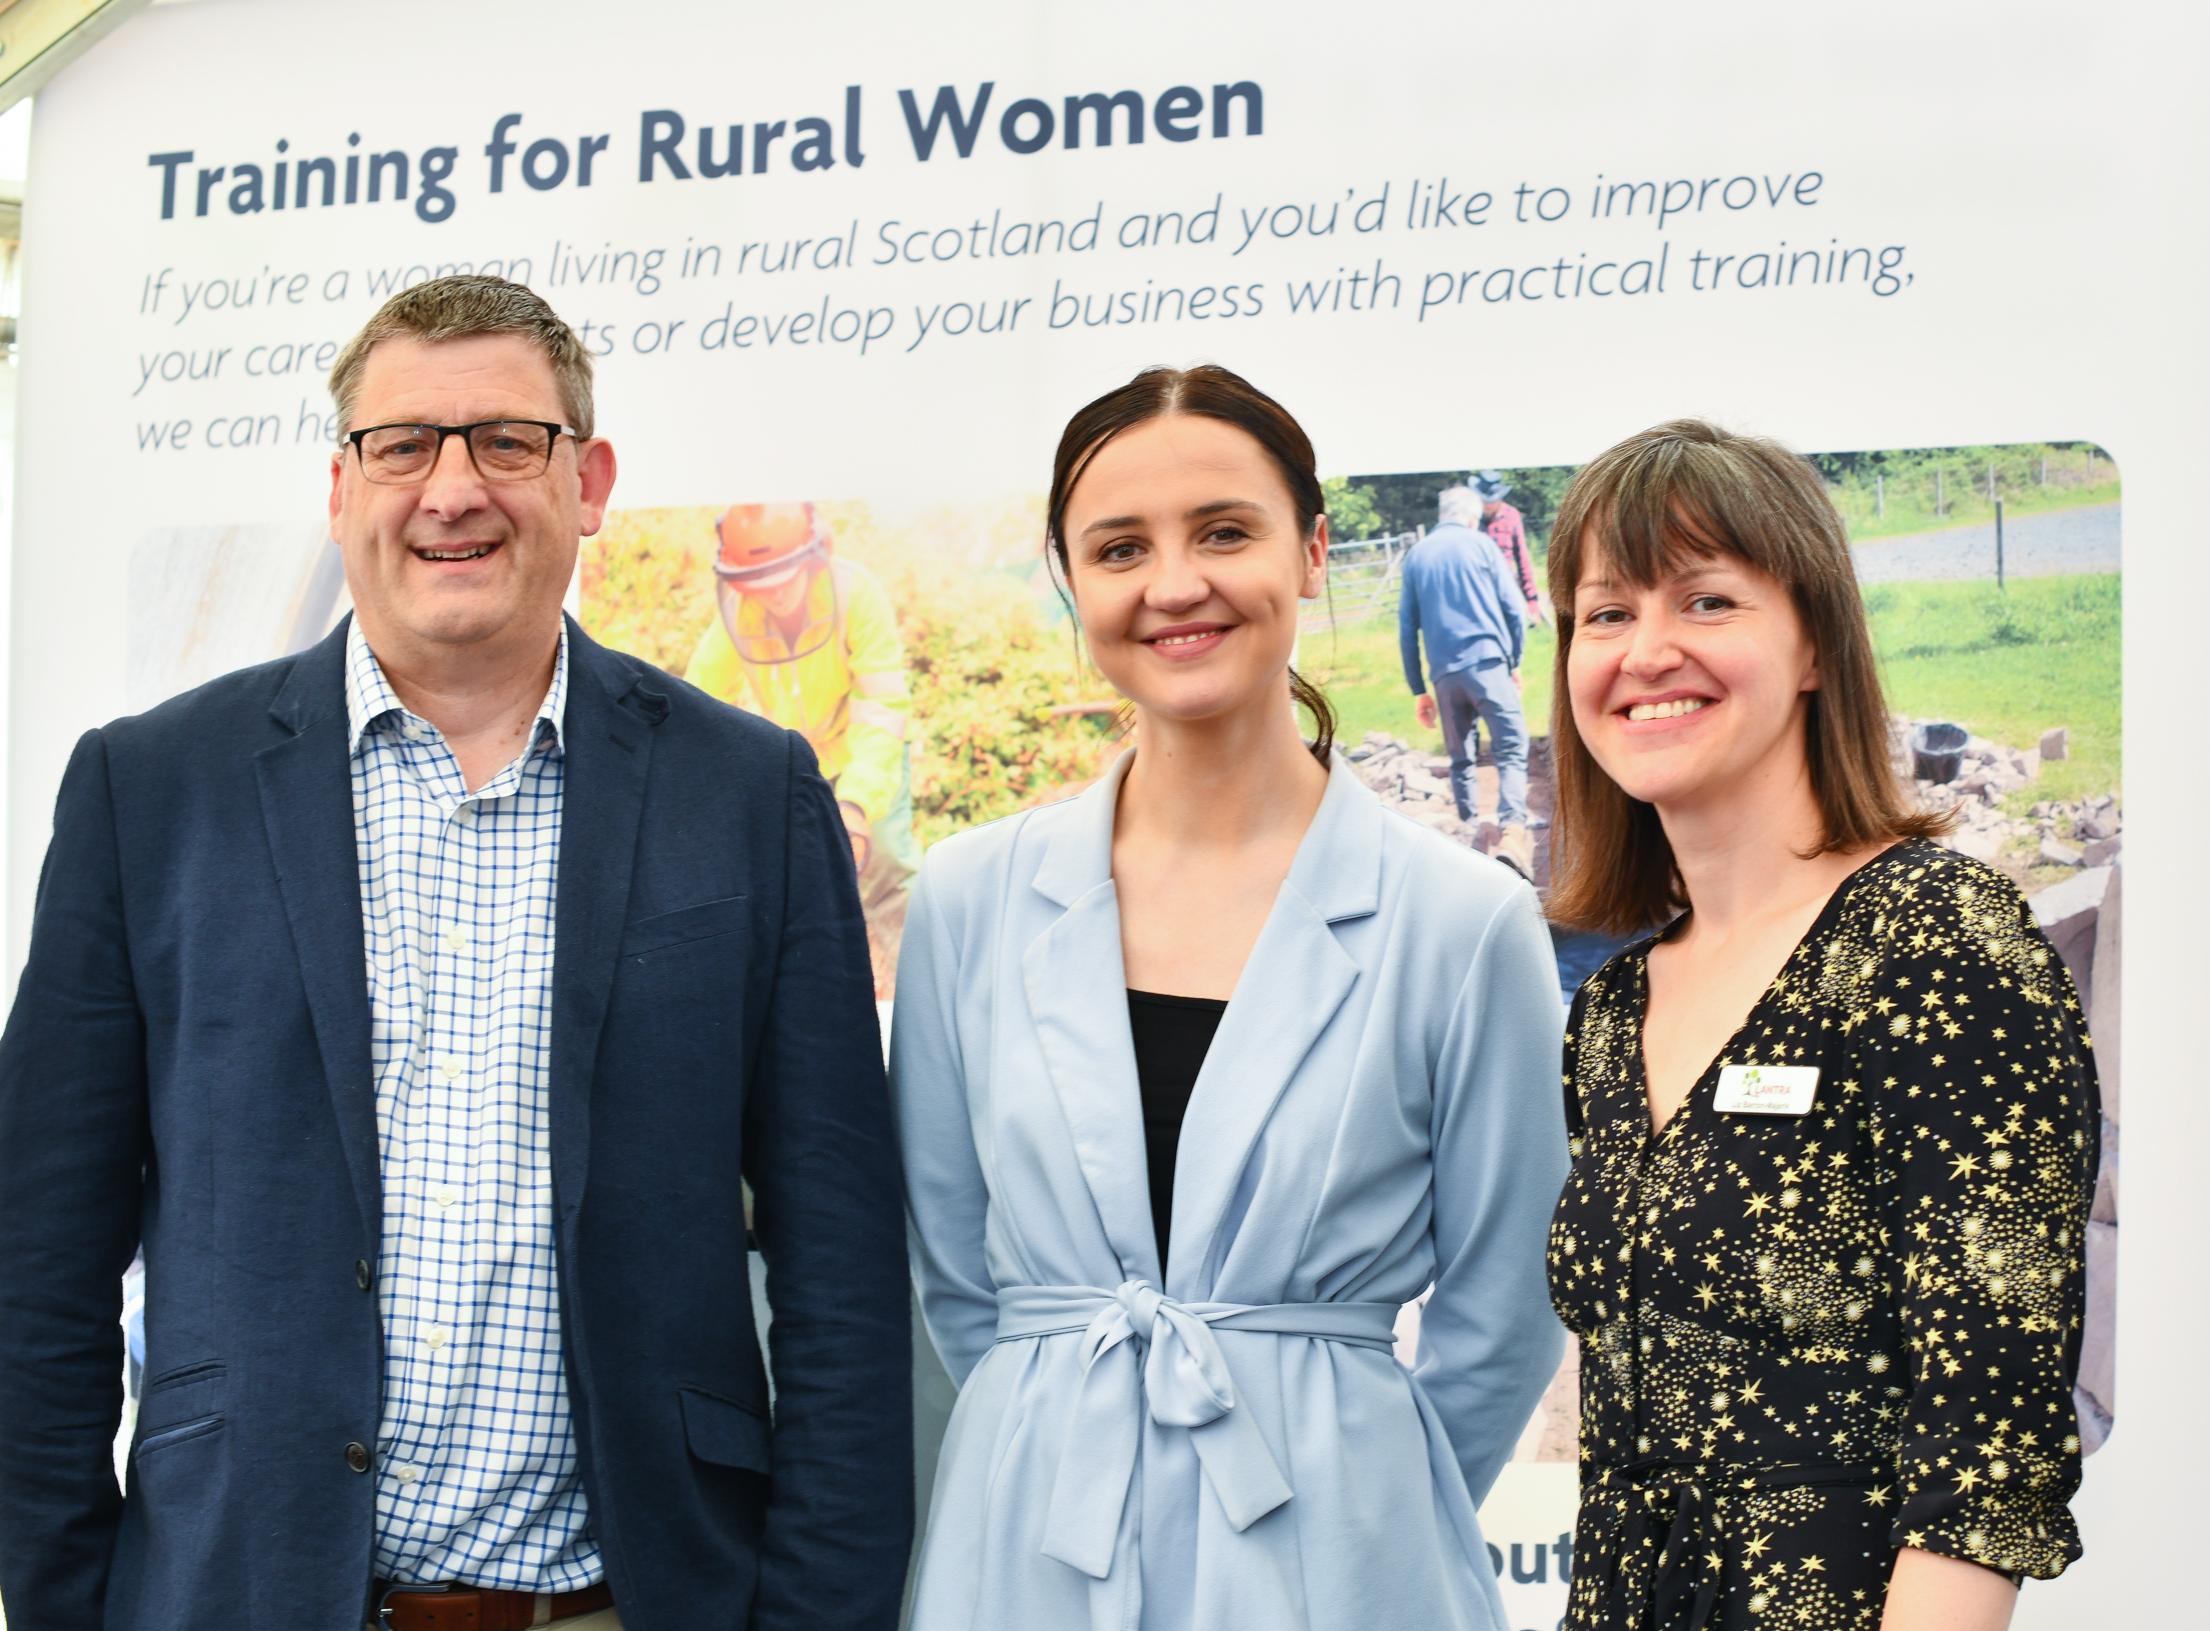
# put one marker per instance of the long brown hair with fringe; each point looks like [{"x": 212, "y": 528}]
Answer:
[
  {"x": 1686, "y": 491},
  {"x": 1211, "y": 393}
]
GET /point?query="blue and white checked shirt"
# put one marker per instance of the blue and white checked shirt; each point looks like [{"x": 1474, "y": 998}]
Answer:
[{"x": 477, "y": 1476}]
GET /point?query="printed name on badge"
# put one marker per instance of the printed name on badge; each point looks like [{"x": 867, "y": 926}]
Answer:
[{"x": 1766, "y": 1090}]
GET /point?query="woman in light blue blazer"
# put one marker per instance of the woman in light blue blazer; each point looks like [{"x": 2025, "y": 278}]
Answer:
[{"x": 1165, "y": 1287}]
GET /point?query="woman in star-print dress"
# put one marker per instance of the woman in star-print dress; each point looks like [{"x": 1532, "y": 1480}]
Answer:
[{"x": 1833, "y": 1126}]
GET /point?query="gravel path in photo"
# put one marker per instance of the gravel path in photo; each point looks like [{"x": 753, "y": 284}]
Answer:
[{"x": 2034, "y": 546}]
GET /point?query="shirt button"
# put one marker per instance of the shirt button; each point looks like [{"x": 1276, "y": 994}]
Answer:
[
  {"x": 456, "y": 940},
  {"x": 436, "y": 1338},
  {"x": 406, "y": 1472},
  {"x": 464, "y": 813},
  {"x": 356, "y": 1456},
  {"x": 446, "y": 1196},
  {"x": 363, "y": 1275},
  {"x": 416, "y": 733},
  {"x": 448, "y": 1070}
]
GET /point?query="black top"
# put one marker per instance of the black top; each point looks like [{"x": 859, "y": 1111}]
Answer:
[
  {"x": 1809, "y": 1339},
  {"x": 1172, "y": 1035}
]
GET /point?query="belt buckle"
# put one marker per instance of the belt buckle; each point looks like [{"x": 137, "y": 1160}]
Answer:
[{"x": 383, "y": 1603}]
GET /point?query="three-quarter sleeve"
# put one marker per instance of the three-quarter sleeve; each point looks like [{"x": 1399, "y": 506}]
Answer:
[
  {"x": 947, "y": 1200},
  {"x": 1489, "y": 1343},
  {"x": 1979, "y": 1052}
]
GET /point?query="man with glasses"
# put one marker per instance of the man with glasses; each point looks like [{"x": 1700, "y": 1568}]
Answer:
[{"x": 420, "y": 1002}]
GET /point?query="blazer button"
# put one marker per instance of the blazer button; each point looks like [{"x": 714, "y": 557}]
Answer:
[
  {"x": 356, "y": 1456},
  {"x": 363, "y": 1275}
]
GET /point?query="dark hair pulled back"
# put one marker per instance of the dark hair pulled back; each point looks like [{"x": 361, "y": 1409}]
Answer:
[{"x": 1212, "y": 393}]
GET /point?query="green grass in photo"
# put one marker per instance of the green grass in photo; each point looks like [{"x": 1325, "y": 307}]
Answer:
[
  {"x": 2007, "y": 664},
  {"x": 1359, "y": 668}
]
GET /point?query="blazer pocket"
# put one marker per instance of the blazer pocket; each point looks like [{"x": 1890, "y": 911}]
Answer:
[
  {"x": 188, "y": 1396},
  {"x": 687, "y": 923},
  {"x": 724, "y": 1432},
  {"x": 181, "y": 1433}
]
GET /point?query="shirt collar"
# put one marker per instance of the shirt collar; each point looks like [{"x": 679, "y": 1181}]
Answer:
[{"x": 369, "y": 696}]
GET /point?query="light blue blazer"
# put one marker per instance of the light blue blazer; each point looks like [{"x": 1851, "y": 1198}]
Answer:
[{"x": 1379, "y": 1111}]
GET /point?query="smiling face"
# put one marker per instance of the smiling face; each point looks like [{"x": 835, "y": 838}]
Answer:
[
  {"x": 1186, "y": 563},
  {"x": 454, "y": 561},
  {"x": 787, "y": 599},
  {"x": 1693, "y": 688}
]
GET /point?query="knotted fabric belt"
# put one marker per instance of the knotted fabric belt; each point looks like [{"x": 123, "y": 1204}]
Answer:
[
  {"x": 1144, "y": 1350},
  {"x": 1679, "y": 1597}
]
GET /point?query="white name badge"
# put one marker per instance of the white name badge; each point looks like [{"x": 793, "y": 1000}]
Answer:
[{"x": 1766, "y": 1090}]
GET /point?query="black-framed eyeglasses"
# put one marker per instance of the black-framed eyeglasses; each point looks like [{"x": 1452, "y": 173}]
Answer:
[{"x": 503, "y": 449}]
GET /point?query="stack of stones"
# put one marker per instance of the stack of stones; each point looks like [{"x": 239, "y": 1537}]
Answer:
[
  {"x": 1410, "y": 781},
  {"x": 2082, "y": 832}
]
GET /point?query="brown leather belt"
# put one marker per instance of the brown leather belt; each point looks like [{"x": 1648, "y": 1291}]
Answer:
[{"x": 482, "y": 1608}]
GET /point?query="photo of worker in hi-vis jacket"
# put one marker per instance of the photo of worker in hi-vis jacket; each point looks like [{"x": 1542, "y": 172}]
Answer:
[{"x": 810, "y": 641}]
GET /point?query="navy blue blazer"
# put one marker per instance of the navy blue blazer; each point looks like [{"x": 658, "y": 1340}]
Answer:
[{"x": 187, "y": 1065}]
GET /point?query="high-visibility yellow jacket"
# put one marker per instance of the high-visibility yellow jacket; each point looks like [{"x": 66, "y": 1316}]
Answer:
[{"x": 846, "y": 694}]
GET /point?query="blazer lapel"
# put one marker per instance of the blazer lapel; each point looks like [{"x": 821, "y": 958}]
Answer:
[
  {"x": 306, "y": 788},
  {"x": 606, "y": 744},
  {"x": 1293, "y": 982},
  {"x": 1077, "y": 999}
]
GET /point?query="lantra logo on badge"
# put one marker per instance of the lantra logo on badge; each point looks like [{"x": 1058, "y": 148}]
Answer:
[
  {"x": 1773, "y": 1090},
  {"x": 1757, "y": 1089}
]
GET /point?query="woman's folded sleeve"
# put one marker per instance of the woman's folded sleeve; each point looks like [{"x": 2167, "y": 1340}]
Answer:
[
  {"x": 947, "y": 1202},
  {"x": 1489, "y": 1342},
  {"x": 1983, "y": 1063}
]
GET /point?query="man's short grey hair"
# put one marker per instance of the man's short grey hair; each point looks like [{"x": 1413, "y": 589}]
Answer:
[
  {"x": 1459, "y": 504},
  {"x": 458, "y": 308}
]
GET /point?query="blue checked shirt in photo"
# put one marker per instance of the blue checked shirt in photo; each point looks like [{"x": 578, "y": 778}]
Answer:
[{"x": 476, "y": 1466}]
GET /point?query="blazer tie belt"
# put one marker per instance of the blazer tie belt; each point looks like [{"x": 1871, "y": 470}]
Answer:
[{"x": 1142, "y": 1350}]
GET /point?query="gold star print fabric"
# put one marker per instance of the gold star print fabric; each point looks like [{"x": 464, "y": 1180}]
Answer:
[{"x": 1809, "y": 1340}]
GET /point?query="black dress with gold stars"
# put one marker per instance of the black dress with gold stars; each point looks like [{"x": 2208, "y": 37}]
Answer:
[{"x": 1808, "y": 1340}]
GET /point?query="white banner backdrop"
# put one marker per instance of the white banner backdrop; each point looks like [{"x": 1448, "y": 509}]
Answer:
[{"x": 879, "y": 252}]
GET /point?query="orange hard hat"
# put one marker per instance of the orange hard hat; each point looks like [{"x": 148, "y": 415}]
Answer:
[{"x": 762, "y": 545}]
